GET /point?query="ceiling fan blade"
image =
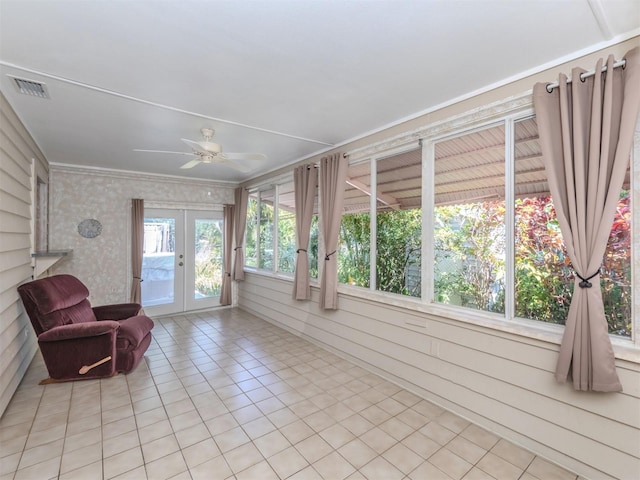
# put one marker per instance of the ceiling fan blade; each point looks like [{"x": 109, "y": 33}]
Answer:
[
  {"x": 195, "y": 145},
  {"x": 236, "y": 166},
  {"x": 192, "y": 163},
  {"x": 162, "y": 151},
  {"x": 245, "y": 156}
]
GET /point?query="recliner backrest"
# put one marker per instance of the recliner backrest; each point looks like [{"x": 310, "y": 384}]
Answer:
[{"x": 56, "y": 300}]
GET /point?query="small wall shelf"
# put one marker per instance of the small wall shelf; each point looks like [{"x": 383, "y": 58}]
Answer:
[{"x": 45, "y": 260}]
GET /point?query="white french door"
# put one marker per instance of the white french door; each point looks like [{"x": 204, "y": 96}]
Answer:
[{"x": 182, "y": 261}]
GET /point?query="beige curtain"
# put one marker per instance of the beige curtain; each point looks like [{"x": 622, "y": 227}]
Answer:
[
  {"x": 586, "y": 132},
  {"x": 241, "y": 198},
  {"x": 333, "y": 174},
  {"x": 305, "y": 183},
  {"x": 137, "y": 248},
  {"x": 228, "y": 219}
]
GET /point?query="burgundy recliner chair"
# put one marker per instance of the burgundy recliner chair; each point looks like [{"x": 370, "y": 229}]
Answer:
[{"x": 78, "y": 341}]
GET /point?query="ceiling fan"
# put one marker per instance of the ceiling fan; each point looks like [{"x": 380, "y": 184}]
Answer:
[{"x": 210, "y": 152}]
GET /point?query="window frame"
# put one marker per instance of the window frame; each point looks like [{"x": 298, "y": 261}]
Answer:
[{"x": 507, "y": 112}]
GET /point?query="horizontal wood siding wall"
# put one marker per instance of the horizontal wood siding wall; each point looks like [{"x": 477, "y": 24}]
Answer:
[
  {"x": 17, "y": 340},
  {"x": 500, "y": 381}
]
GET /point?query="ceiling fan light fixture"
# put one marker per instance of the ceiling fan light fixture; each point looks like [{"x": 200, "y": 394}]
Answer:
[{"x": 211, "y": 147}]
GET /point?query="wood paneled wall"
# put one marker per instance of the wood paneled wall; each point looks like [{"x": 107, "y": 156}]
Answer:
[
  {"x": 17, "y": 340},
  {"x": 501, "y": 381}
]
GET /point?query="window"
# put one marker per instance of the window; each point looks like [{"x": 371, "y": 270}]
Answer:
[
  {"x": 476, "y": 247},
  {"x": 354, "y": 245},
  {"x": 544, "y": 278},
  {"x": 286, "y": 228},
  {"x": 469, "y": 220},
  {"x": 270, "y": 241},
  {"x": 399, "y": 223},
  {"x": 395, "y": 254},
  {"x": 481, "y": 215}
]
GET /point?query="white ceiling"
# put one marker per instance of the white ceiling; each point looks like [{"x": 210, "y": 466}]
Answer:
[{"x": 288, "y": 78}]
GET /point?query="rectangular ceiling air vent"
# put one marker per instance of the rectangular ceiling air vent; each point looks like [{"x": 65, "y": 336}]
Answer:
[{"x": 31, "y": 87}]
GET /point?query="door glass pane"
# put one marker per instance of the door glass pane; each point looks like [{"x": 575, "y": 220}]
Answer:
[
  {"x": 208, "y": 258},
  {"x": 158, "y": 261}
]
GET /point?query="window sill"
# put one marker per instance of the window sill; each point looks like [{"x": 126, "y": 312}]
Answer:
[{"x": 538, "y": 331}]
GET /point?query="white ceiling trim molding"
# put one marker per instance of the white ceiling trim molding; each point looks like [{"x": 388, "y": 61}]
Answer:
[
  {"x": 516, "y": 104},
  {"x": 129, "y": 175}
]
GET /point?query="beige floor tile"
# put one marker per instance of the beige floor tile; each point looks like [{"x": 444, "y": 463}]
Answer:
[
  {"x": 429, "y": 471},
  {"x": 92, "y": 471},
  {"x": 166, "y": 467},
  {"x": 192, "y": 435},
  {"x": 225, "y": 392},
  {"x": 231, "y": 439},
  {"x": 451, "y": 464},
  {"x": 499, "y": 468},
  {"x": 154, "y": 431},
  {"x": 159, "y": 448},
  {"x": 518, "y": 456},
  {"x": 41, "y": 453},
  {"x": 287, "y": 462},
  {"x": 403, "y": 458},
  {"x": 548, "y": 471},
  {"x": 357, "y": 453},
  {"x": 200, "y": 452},
  {"x": 296, "y": 431},
  {"x": 243, "y": 457},
  {"x": 9, "y": 463},
  {"x": 423, "y": 446},
  {"x": 42, "y": 470},
  {"x": 308, "y": 473},
  {"x": 480, "y": 436},
  {"x": 122, "y": 462},
  {"x": 221, "y": 424},
  {"x": 378, "y": 439},
  {"x": 466, "y": 449},
  {"x": 333, "y": 466},
  {"x": 396, "y": 428},
  {"x": 381, "y": 469},
  {"x": 81, "y": 457},
  {"x": 259, "y": 471},
  {"x": 258, "y": 427},
  {"x": 337, "y": 435},
  {"x": 115, "y": 445},
  {"x": 477, "y": 474},
  {"x": 271, "y": 443},
  {"x": 314, "y": 448},
  {"x": 437, "y": 433}
]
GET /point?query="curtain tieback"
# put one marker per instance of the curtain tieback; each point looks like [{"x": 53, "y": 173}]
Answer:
[
  {"x": 227, "y": 274},
  {"x": 329, "y": 255},
  {"x": 585, "y": 283},
  {"x": 138, "y": 278},
  {"x": 301, "y": 250},
  {"x": 237, "y": 248}
]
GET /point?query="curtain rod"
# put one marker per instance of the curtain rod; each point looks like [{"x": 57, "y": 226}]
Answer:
[{"x": 585, "y": 75}]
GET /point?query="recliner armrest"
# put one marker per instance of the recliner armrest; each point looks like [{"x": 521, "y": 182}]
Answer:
[
  {"x": 118, "y": 311},
  {"x": 75, "y": 331}
]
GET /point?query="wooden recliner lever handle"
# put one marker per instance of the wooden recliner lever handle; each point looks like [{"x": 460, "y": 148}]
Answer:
[{"x": 86, "y": 368}]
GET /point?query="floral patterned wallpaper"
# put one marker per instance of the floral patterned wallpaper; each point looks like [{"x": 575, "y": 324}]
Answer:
[{"x": 103, "y": 263}]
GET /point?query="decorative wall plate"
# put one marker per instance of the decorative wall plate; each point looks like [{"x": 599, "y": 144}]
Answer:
[{"x": 90, "y": 228}]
